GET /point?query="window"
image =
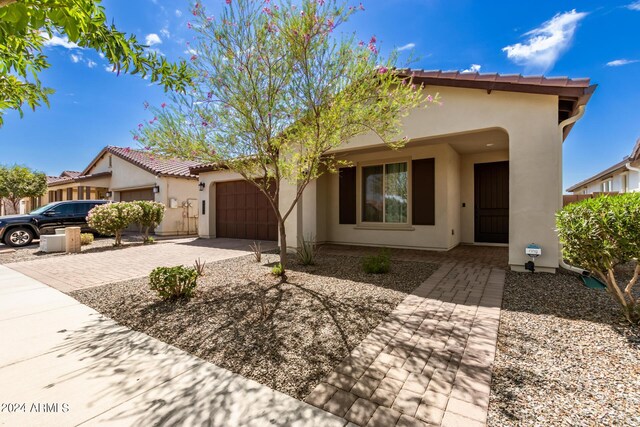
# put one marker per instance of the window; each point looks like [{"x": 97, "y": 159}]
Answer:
[
  {"x": 606, "y": 186},
  {"x": 625, "y": 183},
  {"x": 69, "y": 193},
  {"x": 80, "y": 193},
  {"x": 385, "y": 193},
  {"x": 64, "y": 209}
]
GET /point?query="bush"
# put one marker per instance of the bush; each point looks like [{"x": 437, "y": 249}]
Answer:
[
  {"x": 277, "y": 270},
  {"x": 151, "y": 215},
  {"x": 173, "y": 282},
  {"x": 377, "y": 264},
  {"x": 256, "y": 247},
  {"x": 599, "y": 234},
  {"x": 113, "y": 218},
  {"x": 307, "y": 250},
  {"x": 86, "y": 239}
]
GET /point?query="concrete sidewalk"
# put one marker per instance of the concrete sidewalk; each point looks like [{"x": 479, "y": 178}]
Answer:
[{"x": 69, "y": 365}]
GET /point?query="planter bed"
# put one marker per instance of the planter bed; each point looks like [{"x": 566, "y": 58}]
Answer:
[
  {"x": 565, "y": 356},
  {"x": 285, "y": 336}
]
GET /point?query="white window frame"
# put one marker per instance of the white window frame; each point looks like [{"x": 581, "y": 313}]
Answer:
[
  {"x": 606, "y": 186},
  {"x": 360, "y": 191},
  {"x": 624, "y": 185}
]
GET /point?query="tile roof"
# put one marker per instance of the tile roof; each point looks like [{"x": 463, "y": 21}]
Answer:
[
  {"x": 72, "y": 174},
  {"x": 58, "y": 179},
  {"x": 145, "y": 160},
  {"x": 53, "y": 181},
  {"x": 635, "y": 155}
]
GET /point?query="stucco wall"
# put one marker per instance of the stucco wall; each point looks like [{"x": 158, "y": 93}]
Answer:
[
  {"x": 618, "y": 183},
  {"x": 182, "y": 219}
]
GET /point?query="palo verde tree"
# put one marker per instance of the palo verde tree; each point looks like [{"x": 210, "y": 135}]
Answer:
[
  {"x": 276, "y": 89},
  {"x": 599, "y": 235},
  {"x": 25, "y": 26},
  {"x": 18, "y": 182}
]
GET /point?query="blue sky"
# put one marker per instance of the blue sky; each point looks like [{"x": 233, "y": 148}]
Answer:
[{"x": 93, "y": 107}]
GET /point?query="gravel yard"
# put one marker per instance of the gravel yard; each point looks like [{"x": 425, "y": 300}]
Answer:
[
  {"x": 9, "y": 255},
  {"x": 285, "y": 336},
  {"x": 565, "y": 356}
]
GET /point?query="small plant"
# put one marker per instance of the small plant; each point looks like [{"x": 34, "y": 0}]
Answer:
[
  {"x": 151, "y": 214},
  {"x": 86, "y": 239},
  {"x": 277, "y": 270},
  {"x": 113, "y": 218},
  {"x": 377, "y": 264},
  {"x": 149, "y": 240},
  {"x": 307, "y": 250},
  {"x": 256, "y": 247},
  {"x": 173, "y": 282},
  {"x": 199, "y": 267}
]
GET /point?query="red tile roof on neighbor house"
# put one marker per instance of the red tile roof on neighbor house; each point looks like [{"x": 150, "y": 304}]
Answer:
[
  {"x": 635, "y": 156},
  {"x": 145, "y": 160},
  {"x": 72, "y": 174}
]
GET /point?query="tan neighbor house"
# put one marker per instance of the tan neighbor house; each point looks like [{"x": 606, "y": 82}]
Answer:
[
  {"x": 623, "y": 177},
  {"x": 483, "y": 168},
  {"x": 125, "y": 174}
]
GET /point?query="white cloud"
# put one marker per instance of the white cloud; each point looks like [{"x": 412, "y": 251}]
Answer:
[
  {"x": 101, "y": 55},
  {"x": 75, "y": 58},
  {"x": 109, "y": 68},
  {"x": 474, "y": 68},
  {"x": 634, "y": 6},
  {"x": 191, "y": 51},
  {"x": 152, "y": 39},
  {"x": 56, "y": 40},
  {"x": 91, "y": 63},
  {"x": 165, "y": 32},
  {"x": 620, "y": 62},
  {"x": 178, "y": 13},
  {"x": 546, "y": 43},
  {"x": 407, "y": 47}
]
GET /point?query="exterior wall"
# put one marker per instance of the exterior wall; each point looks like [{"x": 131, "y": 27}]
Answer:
[
  {"x": 180, "y": 196},
  {"x": 467, "y": 189},
  {"x": 633, "y": 185}
]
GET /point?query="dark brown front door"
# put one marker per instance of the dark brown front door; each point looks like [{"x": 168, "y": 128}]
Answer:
[
  {"x": 243, "y": 212},
  {"x": 492, "y": 202}
]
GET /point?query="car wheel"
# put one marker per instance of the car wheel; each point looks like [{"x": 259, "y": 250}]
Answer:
[{"x": 18, "y": 237}]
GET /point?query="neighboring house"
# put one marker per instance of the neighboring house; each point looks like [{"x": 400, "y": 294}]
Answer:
[
  {"x": 125, "y": 174},
  {"x": 623, "y": 177},
  {"x": 483, "y": 168}
]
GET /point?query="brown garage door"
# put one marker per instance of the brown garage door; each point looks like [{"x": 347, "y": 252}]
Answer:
[
  {"x": 142, "y": 194},
  {"x": 243, "y": 212}
]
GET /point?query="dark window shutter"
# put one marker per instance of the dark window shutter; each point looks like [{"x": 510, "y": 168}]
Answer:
[
  {"x": 69, "y": 193},
  {"x": 347, "y": 197},
  {"x": 80, "y": 192},
  {"x": 424, "y": 191},
  {"x": 88, "y": 192}
]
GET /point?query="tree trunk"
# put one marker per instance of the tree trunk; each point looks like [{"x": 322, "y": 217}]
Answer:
[{"x": 283, "y": 250}]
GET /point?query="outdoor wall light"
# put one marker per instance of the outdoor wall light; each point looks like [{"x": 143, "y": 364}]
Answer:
[
  {"x": 202, "y": 185},
  {"x": 156, "y": 189},
  {"x": 108, "y": 194}
]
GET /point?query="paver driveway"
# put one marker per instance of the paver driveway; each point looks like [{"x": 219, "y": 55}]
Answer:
[{"x": 69, "y": 273}]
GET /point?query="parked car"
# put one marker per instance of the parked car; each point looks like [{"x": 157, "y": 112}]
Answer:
[{"x": 20, "y": 230}]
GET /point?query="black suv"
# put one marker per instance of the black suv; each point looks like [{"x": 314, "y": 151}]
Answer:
[{"x": 20, "y": 230}]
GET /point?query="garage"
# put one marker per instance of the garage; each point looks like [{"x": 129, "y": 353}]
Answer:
[
  {"x": 141, "y": 194},
  {"x": 243, "y": 212}
]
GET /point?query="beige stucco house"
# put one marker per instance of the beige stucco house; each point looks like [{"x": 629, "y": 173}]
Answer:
[
  {"x": 623, "y": 177},
  {"x": 126, "y": 174},
  {"x": 484, "y": 168}
]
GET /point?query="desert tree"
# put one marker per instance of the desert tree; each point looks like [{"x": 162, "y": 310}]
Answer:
[
  {"x": 277, "y": 88},
  {"x": 18, "y": 182},
  {"x": 26, "y": 26}
]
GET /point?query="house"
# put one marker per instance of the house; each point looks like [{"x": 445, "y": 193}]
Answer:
[
  {"x": 126, "y": 174},
  {"x": 623, "y": 177},
  {"x": 484, "y": 168}
]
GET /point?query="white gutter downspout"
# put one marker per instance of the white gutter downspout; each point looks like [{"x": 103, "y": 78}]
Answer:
[
  {"x": 561, "y": 126},
  {"x": 631, "y": 168}
]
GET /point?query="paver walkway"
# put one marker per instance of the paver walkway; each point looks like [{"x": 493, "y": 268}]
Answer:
[
  {"x": 69, "y": 273},
  {"x": 429, "y": 362},
  {"x": 69, "y": 365}
]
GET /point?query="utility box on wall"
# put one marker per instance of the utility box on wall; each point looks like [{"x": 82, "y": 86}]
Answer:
[{"x": 173, "y": 203}]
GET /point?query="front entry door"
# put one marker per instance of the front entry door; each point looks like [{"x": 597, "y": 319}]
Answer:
[{"x": 492, "y": 202}]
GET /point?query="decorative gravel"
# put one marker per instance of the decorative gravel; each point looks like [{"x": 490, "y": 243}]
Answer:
[
  {"x": 565, "y": 356},
  {"x": 299, "y": 334},
  {"x": 32, "y": 252}
]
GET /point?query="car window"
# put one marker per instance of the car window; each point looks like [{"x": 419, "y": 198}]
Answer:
[
  {"x": 84, "y": 208},
  {"x": 63, "y": 209}
]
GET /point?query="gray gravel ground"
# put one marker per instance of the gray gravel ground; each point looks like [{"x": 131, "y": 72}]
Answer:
[
  {"x": 565, "y": 356},
  {"x": 306, "y": 328},
  {"x": 32, "y": 252}
]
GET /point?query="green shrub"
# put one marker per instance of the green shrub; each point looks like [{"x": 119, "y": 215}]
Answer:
[
  {"x": 113, "y": 218},
  {"x": 173, "y": 282},
  {"x": 151, "y": 215},
  {"x": 599, "y": 234},
  {"x": 149, "y": 240},
  {"x": 307, "y": 250},
  {"x": 377, "y": 264},
  {"x": 277, "y": 270},
  {"x": 86, "y": 239}
]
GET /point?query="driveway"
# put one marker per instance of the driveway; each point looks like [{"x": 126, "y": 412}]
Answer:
[
  {"x": 63, "y": 363},
  {"x": 70, "y": 273}
]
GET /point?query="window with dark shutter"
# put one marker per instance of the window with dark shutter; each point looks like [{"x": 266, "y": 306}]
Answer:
[
  {"x": 424, "y": 192},
  {"x": 88, "y": 193},
  {"x": 69, "y": 193},
  {"x": 80, "y": 192},
  {"x": 347, "y": 195}
]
